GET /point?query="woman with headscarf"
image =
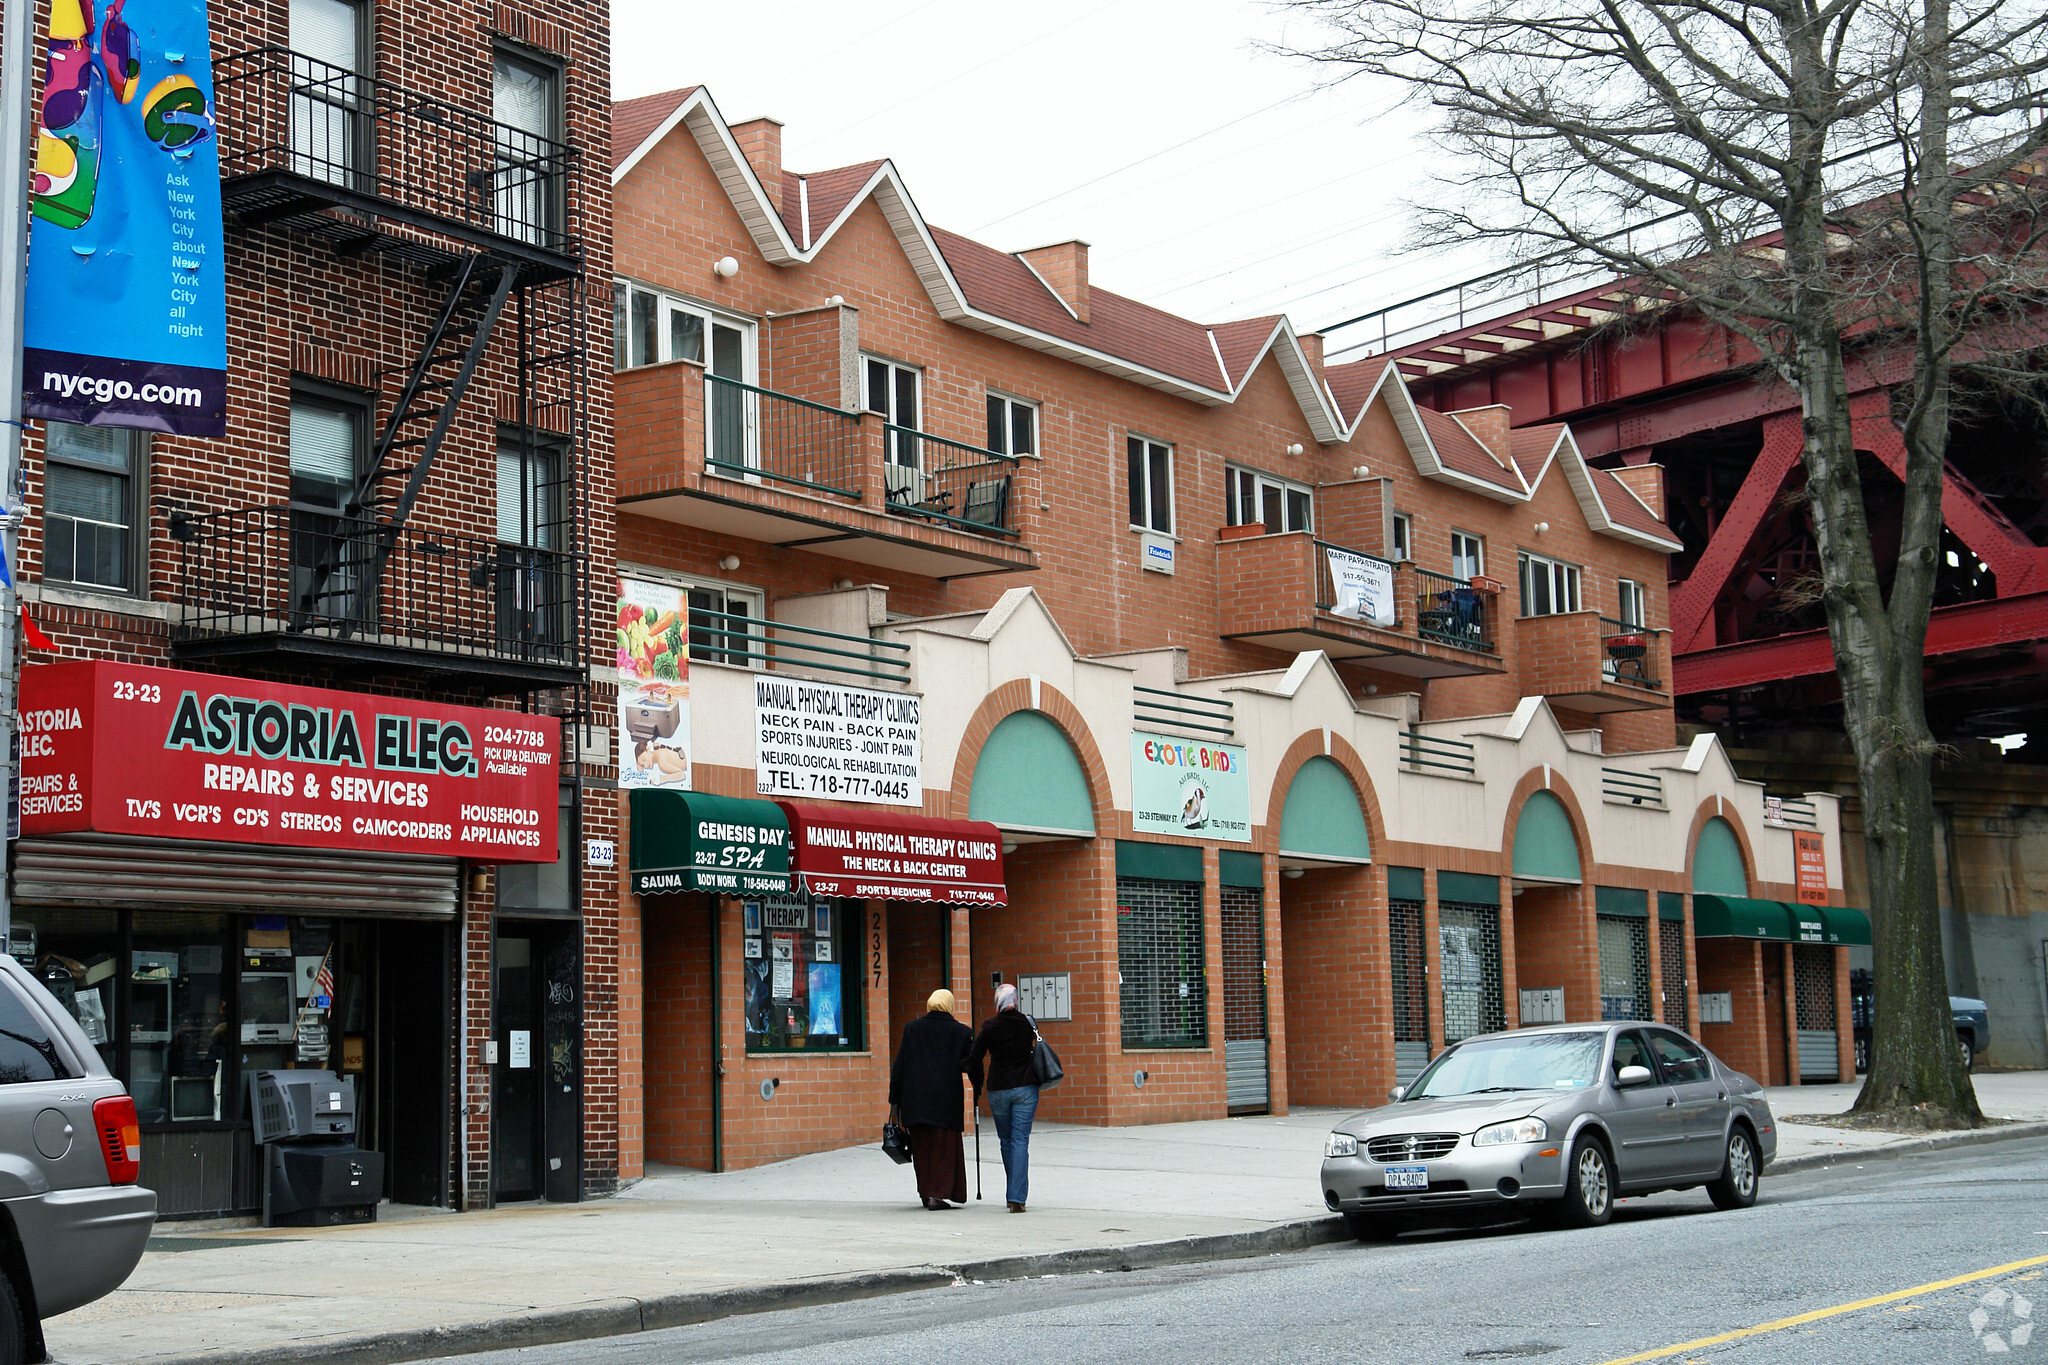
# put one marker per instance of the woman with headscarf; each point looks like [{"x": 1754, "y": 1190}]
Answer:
[
  {"x": 1006, "y": 1041},
  {"x": 924, "y": 1092}
]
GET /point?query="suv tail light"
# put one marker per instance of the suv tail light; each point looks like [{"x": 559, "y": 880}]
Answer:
[{"x": 120, "y": 1137}]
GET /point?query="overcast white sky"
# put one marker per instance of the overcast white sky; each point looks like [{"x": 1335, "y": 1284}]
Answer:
[{"x": 1020, "y": 124}]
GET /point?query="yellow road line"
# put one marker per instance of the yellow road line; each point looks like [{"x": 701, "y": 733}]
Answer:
[{"x": 1819, "y": 1313}]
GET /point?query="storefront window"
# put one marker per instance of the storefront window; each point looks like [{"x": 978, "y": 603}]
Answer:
[
  {"x": 72, "y": 952},
  {"x": 804, "y": 965},
  {"x": 178, "y": 1039}
]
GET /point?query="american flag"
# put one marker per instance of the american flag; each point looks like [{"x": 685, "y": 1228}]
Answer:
[{"x": 323, "y": 983}]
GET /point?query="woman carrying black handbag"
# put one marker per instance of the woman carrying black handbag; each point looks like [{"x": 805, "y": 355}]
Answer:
[
  {"x": 1007, "y": 1041},
  {"x": 924, "y": 1095}
]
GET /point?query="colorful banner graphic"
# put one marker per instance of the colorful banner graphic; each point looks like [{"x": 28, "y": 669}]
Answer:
[
  {"x": 124, "y": 749},
  {"x": 1180, "y": 786},
  {"x": 654, "y": 685},
  {"x": 1364, "y": 587},
  {"x": 127, "y": 300}
]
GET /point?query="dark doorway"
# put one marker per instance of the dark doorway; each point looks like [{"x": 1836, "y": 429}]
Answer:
[
  {"x": 537, "y": 1112},
  {"x": 410, "y": 1087}
]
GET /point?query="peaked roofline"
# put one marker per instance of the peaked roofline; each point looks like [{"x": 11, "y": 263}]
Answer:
[{"x": 772, "y": 237}]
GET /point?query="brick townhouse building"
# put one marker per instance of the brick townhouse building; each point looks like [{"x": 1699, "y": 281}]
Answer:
[
  {"x": 390, "y": 556},
  {"x": 1267, "y": 729}
]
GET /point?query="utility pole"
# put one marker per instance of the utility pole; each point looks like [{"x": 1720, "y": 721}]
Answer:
[{"x": 17, "y": 83}]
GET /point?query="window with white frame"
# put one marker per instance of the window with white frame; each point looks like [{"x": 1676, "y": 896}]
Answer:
[
  {"x": 651, "y": 327},
  {"x": 1151, "y": 484},
  {"x": 94, "y": 498},
  {"x": 722, "y": 629},
  {"x": 1468, "y": 556},
  {"x": 894, "y": 392},
  {"x": 1629, "y": 609},
  {"x": 1251, "y": 497},
  {"x": 1012, "y": 425},
  {"x": 1403, "y": 538},
  {"x": 1549, "y": 586}
]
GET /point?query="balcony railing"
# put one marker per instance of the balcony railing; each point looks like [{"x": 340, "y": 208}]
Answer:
[
  {"x": 724, "y": 637},
  {"x": 758, "y": 434},
  {"x": 1452, "y": 612},
  {"x": 283, "y": 571},
  {"x": 1626, "y": 788},
  {"x": 1432, "y": 753},
  {"x": 337, "y": 133},
  {"x": 1155, "y": 708},
  {"x": 1628, "y": 654},
  {"x": 935, "y": 479}
]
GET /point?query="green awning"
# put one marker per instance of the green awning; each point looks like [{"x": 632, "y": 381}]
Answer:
[
  {"x": 1620, "y": 900},
  {"x": 1807, "y": 925},
  {"x": 1739, "y": 917},
  {"x": 1235, "y": 868},
  {"x": 1028, "y": 778},
  {"x": 1545, "y": 848},
  {"x": 1321, "y": 818},
  {"x": 1844, "y": 925},
  {"x": 693, "y": 841}
]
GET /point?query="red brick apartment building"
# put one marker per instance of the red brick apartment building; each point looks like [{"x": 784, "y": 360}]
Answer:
[
  {"x": 406, "y": 519},
  {"x": 1269, "y": 730}
]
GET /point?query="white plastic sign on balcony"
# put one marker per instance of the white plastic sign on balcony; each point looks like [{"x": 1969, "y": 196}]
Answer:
[
  {"x": 1363, "y": 587},
  {"x": 1156, "y": 553}
]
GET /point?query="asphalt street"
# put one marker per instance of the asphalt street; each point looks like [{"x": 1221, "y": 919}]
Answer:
[{"x": 1667, "y": 1276}]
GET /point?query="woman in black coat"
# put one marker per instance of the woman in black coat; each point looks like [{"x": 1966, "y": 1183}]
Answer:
[{"x": 924, "y": 1092}]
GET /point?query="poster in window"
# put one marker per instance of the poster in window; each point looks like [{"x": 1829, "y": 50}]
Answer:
[
  {"x": 654, "y": 684},
  {"x": 825, "y": 1014},
  {"x": 1810, "y": 867},
  {"x": 754, "y": 947},
  {"x": 782, "y": 961}
]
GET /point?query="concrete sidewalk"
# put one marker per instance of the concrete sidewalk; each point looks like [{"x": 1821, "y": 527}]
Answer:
[{"x": 685, "y": 1245}]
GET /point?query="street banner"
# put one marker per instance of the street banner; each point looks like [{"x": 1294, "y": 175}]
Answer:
[
  {"x": 1364, "y": 587},
  {"x": 123, "y": 749},
  {"x": 127, "y": 300},
  {"x": 847, "y": 743},
  {"x": 654, "y": 685},
  {"x": 1201, "y": 791}
]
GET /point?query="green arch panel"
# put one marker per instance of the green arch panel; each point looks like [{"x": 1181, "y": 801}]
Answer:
[
  {"x": 1028, "y": 777},
  {"x": 1717, "y": 861},
  {"x": 1544, "y": 843},
  {"x": 1321, "y": 818}
]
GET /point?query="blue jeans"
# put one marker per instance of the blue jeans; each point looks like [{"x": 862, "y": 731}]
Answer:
[{"x": 1013, "y": 1111}]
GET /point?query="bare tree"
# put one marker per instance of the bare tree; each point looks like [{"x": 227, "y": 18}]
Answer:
[{"x": 1829, "y": 180}]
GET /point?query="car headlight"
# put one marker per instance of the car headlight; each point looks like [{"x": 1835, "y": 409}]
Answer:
[
  {"x": 1340, "y": 1144},
  {"x": 1520, "y": 1130}
]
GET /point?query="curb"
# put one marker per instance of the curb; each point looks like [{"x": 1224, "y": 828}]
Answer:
[
  {"x": 2007, "y": 1132},
  {"x": 624, "y": 1317}
]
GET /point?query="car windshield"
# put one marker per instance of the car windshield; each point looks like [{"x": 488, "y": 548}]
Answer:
[{"x": 1541, "y": 1061}]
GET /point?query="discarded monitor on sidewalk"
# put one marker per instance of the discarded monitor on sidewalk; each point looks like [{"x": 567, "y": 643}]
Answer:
[{"x": 314, "y": 1176}]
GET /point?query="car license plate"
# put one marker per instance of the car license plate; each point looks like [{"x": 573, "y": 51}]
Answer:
[{"x": 1407, "y": 1177}]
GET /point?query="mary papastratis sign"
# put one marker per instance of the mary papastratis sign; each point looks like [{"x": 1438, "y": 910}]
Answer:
[
  {"x": 127, "y": 291},
  {"x": 1179, "y": 786},
  {"x": 847, "y": 743}
]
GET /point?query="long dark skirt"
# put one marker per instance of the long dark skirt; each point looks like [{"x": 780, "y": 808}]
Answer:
[{"x": 940, "y": 1162}]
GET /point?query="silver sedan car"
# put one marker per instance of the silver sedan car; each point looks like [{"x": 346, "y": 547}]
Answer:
[{"x": 1564, "y": 1118}]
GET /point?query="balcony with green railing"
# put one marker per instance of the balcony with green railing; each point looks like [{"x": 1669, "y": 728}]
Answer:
[
  {"x": 947, "y": 482},
  {"x": 1591, "y": 664}
]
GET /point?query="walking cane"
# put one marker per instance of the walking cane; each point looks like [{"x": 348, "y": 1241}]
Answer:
[{"x": 977, "y": 1146}]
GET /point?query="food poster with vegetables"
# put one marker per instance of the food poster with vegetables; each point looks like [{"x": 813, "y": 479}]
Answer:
[{"x": 654, "y": 684}]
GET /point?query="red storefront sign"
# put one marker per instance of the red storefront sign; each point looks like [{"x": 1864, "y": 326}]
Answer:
[
  {"x": 1810, "y": 867},
  {"x": 887, "y": 856},
  {"x": 123, "y": 749}
]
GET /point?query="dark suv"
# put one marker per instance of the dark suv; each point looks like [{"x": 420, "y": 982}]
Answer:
[
  {"x": 1972, "y": 1019},
  {"x": 73, "y": 1221}
]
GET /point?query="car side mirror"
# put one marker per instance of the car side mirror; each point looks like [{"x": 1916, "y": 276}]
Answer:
[
  {"x": 1632, "y": 1075},
  {"x": 1396, "y": 1093}
]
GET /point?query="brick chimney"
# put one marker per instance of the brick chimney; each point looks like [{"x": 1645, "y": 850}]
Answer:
[
  {"x": 1646, "y": 481},
  {"x": 1064, "y": 266},
  {"x": 1312, "y": 347},
  {"x": 761, "y": 140},
  {"x": 1489, "y": 426}
]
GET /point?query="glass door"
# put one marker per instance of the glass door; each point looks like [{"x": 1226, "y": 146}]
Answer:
[
  {"x": 327, "y": 90},
  {"x": 732, "y": 415}
]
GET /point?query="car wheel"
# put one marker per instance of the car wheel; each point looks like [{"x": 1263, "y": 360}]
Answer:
[
  {"x": 1373, "y": 1227},
  {"x": 13, "y": 1325},
  {"x": 1735, "y": 1187},
  {"x": 1588, "y": 1186},
  {"x": 1968, "y": 1052}
]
